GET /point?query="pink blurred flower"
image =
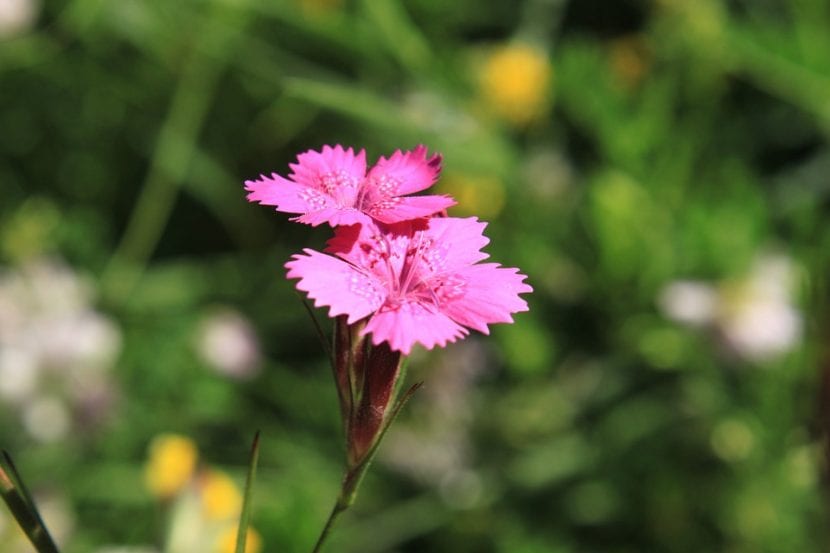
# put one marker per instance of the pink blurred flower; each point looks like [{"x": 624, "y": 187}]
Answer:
[
  {"x": 332, "y": 186},
  {"x": 418, "y": 281},
  {"x": 228, "y": 342}
]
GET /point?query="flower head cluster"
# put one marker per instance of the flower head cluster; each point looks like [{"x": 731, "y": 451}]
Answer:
[{"x": 414, "y": 277}]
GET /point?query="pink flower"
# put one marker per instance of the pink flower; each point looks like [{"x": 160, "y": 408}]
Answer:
[
  {"x": 332, "y": 186},
  {"x": 418, "y": 281}
]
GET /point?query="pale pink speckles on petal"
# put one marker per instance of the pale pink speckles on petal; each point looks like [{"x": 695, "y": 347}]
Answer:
[
  {"x": 336, "y": 284},
  {"x": 403, "y": 173},
  {"x": 334, "y": 216},
  {"x": 455, "y": 243},
  {"x": 489, "y": 294},
  {"x": 397, "y": 209},
  {"x": 286, "y": 196},
  {"x": 335, "y": 171},
  {"x": 411, "y": 322}
]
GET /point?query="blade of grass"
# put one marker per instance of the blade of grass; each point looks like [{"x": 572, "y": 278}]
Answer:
[
  {"x": 353, "y": 101},
  {"x": 244, "y": 517},
  {"x": 173, "y": 152},
  {"x": 21, "y": 486},
  {"x": 22, "y": 507},
  {"x": 11, "y": 471},
  {"x": 402, "y": 36}
]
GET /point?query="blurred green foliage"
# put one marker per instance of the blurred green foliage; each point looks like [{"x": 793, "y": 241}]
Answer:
[{"x": 658, "y": 143}]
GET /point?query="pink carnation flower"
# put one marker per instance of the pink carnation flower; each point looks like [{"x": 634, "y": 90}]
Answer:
[
  {"x": 332, "y": 186},
  {"x": 418, "y": 281}
]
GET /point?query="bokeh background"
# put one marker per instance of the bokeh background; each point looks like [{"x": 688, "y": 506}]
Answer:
[{"x": 659, "y": 168}]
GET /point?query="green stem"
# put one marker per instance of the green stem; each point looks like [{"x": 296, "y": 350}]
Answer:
[
  {"x": 354, "y": 477},
  {"x": 335, "y": 512},
  {"x": 348, "y": 494}
]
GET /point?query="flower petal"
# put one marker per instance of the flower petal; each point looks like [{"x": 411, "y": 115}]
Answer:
[
  {"x": 336, "y": 284},
  {"x": 453, "y": 243},
  {"x": 483, "y": 294},
  {"x": 403, "y": 173},
  {"x": 397, "y": 209},
  {"x": 287, "y": 196},
  {"x": 334, "y": 216},
  {"x": 411, "y": 322},
  {"x": 333, "y": 171}
]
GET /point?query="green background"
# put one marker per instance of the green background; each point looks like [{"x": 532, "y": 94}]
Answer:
[{"x": 683, "y": 140}]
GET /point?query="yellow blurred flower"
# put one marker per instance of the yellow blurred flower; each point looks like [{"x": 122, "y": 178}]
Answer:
[
  {"x": 516, "y": 83},
  {"x": 476, "y": 195},
  {"x": 221, "y": 498},
  {"x": 170, "y": 465},
  {"x": 227, "y": 541}
]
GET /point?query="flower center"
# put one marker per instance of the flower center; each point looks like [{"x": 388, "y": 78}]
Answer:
[
  {"x": 414, "y": 269},
  {"x": 341, "y": 186}
]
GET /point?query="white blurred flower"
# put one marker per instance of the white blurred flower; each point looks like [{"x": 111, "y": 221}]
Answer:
[
  {"x": 56, "y": 351},
  {"x": 228, "y": 343},
  {"x": 204, "y": 515},
  {"x": 689, "y": 302},
  {"x": 755, "y": 315},
  {"x": 17, "y": 16},
  {"x": 19, "y": 374},
  {"x": 46, "y": 419},
  {"x": 82, "y": 338}
]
